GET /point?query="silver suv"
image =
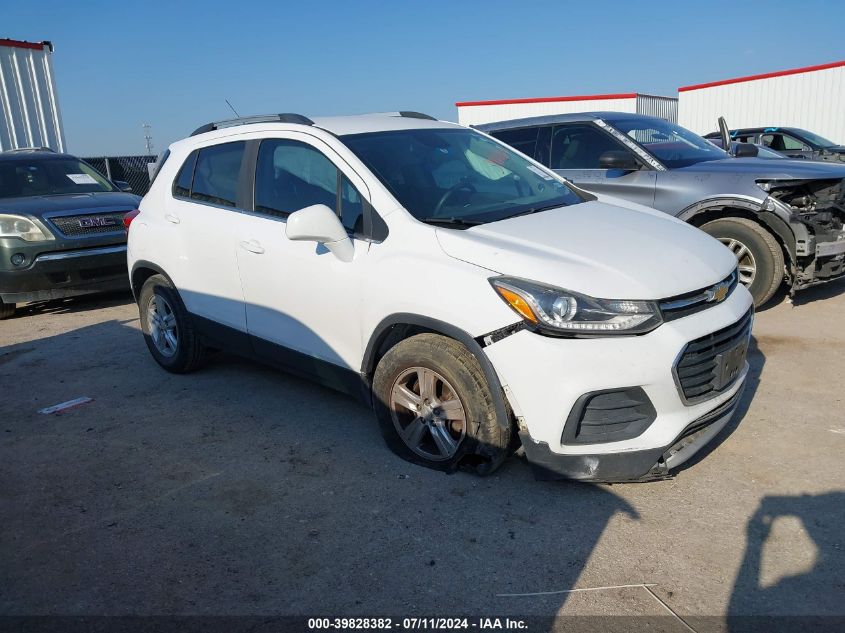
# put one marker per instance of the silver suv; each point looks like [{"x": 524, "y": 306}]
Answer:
[{"x": 783, "y": 219}]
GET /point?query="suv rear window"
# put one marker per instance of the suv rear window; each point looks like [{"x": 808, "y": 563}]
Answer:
[{"x": 216, "y": 174}]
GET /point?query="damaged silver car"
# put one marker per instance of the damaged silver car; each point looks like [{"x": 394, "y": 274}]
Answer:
[{"x": 783, "y": 219}]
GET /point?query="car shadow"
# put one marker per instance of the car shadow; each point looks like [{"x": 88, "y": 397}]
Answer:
[
  {"x": 70, "y": 305},
  {"x": 242, "y": 490},
  {"x": 791, "y": 577},
  {"x": 808, "y": 295}
]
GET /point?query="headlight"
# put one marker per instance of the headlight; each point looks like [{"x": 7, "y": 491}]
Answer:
[
  {"x": 565, "y": 313},
  {"x": 19, "y": 226}
]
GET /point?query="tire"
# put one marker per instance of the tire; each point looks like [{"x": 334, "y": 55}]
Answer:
[
  {"x": 182, "y": 353},
  {"x": 6, "y": 310},
  {"x": 761, "y": 251},
  {"x": 482, "y": 444}
]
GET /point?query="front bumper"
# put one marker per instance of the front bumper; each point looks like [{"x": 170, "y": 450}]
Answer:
[
  {"x": 544, "y": 378},
  {"x": 54, "y": 275},
  {"x": 643, "y": 465},
  {"x": 826, "y": 263}
]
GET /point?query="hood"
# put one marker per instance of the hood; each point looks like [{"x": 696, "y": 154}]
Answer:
[
  {"x": 768, "y": 168},
  {"x": 597, "y": 249},
  {"x": 39, "y": 205}
]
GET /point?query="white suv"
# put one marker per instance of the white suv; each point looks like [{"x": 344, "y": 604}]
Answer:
[{"x": 469, "y": 294}]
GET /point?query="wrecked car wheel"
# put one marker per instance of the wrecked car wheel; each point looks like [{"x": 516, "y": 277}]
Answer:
[
  {"x": 435, "y": 408},
  {"x": 759, "y": 256}
]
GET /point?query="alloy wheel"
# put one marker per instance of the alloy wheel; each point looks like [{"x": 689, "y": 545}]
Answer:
[
  {"x": 162, "y": 323},
  {"x": 427, "y": 413},
  {"x": 747, "y": 264}
]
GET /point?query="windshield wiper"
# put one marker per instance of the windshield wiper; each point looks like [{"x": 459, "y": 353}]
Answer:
[
  {"x": 533, "y": 210},
  {"x": 452, "y": 221}
]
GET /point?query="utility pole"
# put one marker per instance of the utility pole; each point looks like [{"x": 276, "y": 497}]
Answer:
[{"x": 148, "y": 138}]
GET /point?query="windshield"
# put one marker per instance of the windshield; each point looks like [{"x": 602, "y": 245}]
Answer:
[
  {"x": 671, "y": 144},
  {"x": 815, "y": 139},
  {"x": 24, "y": 177},
  {"x": 458, "y": 175}
]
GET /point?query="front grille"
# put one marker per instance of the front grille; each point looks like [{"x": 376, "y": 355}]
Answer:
[
  {"x": 698, "y": 300},
  {"x": 89, "y": 223},
  {"x": 698, "y": 369}
]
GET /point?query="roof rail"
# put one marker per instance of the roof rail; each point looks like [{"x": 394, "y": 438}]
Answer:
[
  {"x": 286, "y": 117},
  {"x": 410, "y": 114},
  {"x": 24, "y": 150}
]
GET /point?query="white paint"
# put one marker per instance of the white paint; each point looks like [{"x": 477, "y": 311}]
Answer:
[
  {"x": 56, "y": 408},
  {"x": 810, "y": 100}
]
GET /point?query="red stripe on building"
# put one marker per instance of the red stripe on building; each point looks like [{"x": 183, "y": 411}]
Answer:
[
  {"x": 779, "y": 73},
  {"x": 38, "y": 46},
  {"x": 626, "y": 95}
]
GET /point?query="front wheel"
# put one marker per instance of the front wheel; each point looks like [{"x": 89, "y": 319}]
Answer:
[
  {"x": 759, "y": 256},
  {"x": 6, "y": 310},
  {"x": 435, "y": 407}
]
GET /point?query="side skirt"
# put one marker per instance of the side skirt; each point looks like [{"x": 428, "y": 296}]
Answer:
[{"x": 234, "y": 341}]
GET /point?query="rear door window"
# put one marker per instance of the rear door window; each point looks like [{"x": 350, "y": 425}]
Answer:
[
  {"x": 216, "y": 174},
  {"x": 782, "y": 142}
]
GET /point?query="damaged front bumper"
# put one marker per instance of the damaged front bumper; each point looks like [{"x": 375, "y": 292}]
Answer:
[
  {"x": 632, "y": 408},
  {"x": 818, "y": 252},
  {"x": 632, "y": 466}
]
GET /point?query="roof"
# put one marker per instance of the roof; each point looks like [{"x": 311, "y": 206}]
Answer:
[
  {"x": 763, "y": 128},
  {"x": 376, "y": 122},
  {"x": 622, "y": 95},
  {"x": 778, "y": 73},
  {"x": 38, "y": 46},
  {"x": 561, "y": 118},
  {"x": 29, "y": 154},
  {"x": 337, "y": 125}
]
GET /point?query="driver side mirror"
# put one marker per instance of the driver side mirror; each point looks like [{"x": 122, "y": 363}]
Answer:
[
  {"x": 745, "y": 150},
  {"x": 320, "y": 224},
  {"x": 123, "y": 186},
  {"x": 618, "y": 159}
]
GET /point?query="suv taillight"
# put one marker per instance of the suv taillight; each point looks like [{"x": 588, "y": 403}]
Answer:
[{"x": 127, "y": 219}]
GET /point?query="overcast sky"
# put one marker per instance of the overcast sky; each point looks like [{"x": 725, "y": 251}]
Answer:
[{"x": 173, "y": 64}]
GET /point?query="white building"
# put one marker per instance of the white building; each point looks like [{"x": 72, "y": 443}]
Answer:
[
  {"x": 29, "y": 107},
  {"x": 477, "y": 112},
  {"x": 811, "y": 98}
]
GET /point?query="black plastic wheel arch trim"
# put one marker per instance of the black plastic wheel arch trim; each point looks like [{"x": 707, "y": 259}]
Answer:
[{"x": 383, "y": 329}]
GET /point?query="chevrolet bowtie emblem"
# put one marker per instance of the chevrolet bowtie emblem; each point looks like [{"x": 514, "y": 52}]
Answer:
[{"x": 718, "y": 293}]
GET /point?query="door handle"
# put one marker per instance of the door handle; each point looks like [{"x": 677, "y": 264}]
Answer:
[
  {"x": 252, "y": 246},
  {"x": 171, "y": 218}
]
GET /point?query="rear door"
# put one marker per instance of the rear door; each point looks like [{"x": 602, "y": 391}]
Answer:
[
  {"x": 576, "y": 149},
  {"x": 204, "y": 214}
]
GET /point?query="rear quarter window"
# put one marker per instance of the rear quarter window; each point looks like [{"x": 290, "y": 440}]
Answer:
[{"x": 182, "y": 184}]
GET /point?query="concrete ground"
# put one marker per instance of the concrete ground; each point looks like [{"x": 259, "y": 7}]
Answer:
[{"x": 241, "y": 490}]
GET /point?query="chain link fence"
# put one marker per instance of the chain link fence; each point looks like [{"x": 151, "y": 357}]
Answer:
[{"x": 132, "y": 169}]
